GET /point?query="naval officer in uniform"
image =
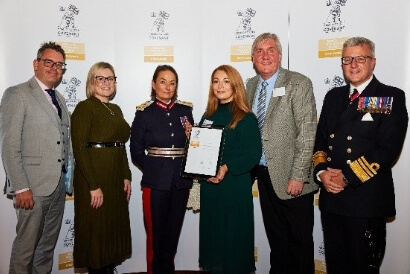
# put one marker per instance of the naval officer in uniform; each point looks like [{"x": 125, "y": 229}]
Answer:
[{"x": 359, "y": 137}]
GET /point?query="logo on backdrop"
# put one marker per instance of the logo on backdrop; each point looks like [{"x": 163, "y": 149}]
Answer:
[
  {"x": 70, "y": 92},
  {"x": 321, "y": 250},
  {"x": 67, "y": 26},
  {"x": 334, "y": 22},
  {"x": 337, "y": 81},
  {"x": 68, "y": 228},
  {"x": 65, "y": 253},
  {"x": 244, "y": 30},
  {"x": 158, "y": 31}
]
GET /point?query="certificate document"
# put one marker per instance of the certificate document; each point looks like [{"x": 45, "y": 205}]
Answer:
[{"x": 203, "y": 152}]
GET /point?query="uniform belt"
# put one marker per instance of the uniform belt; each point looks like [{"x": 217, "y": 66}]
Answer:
[
  {"x": 166, "y": 152},
  {"x": 103, "y": 145}
]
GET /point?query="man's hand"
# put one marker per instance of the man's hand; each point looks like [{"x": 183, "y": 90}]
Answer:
[
  {"x": 332, "y": 180},
  {"x": 294, "y": 188},
  {"x": 25, "y": 200}
]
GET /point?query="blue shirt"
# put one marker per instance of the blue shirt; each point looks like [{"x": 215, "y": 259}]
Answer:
[{"x": 269, "y": 91}]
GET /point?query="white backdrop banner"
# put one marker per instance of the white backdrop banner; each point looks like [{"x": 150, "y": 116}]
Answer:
[{"x": 195, "y": 37}]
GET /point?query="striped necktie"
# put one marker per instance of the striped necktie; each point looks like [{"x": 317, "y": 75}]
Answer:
[
  {"x": 260, "y": 109},
  {"x": 52, "y": 94},
  {"x": 354, "y": 95}
]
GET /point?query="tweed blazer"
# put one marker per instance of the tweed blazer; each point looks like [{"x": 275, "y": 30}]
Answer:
[
  {"x": 289, "y": 130},
  {"x": 34, "y": 140}
]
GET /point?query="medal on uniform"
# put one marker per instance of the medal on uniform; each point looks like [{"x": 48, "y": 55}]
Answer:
[{"x": 375, "y": 105}]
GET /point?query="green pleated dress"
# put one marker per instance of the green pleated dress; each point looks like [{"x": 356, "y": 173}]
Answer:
[
  {"x": 226, "y": 209},
  {"x": 103, "y": 235}
]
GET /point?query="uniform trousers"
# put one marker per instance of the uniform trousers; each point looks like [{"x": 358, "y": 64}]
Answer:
[
  {"x": 164, "y": 212},
  {"x": 288, "y": 226},
  {"x": 37, "y": 233},
  {"x": 353, "y": 245}
]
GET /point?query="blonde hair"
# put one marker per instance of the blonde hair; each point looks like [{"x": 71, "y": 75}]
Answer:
[
  {"x": 239, "y": 105},
  {"x": 92, "y": 73}
]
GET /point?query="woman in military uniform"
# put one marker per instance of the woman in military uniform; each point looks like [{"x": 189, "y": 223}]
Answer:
[{"x": 157, "y": 147}]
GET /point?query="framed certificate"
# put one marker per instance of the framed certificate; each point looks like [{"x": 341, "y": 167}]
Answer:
[{"x": 203, "y": 150}]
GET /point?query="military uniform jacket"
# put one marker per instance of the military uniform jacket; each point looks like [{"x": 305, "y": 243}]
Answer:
[
  {"x": 159, "y": 125},
  {"x": 364, "y": 146},
  {"x": 288, "y": 135}
]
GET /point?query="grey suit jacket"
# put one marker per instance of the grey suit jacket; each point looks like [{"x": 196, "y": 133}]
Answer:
[
  {"x": 288, "y": 135},
  {"x": 34, "y": 141}
]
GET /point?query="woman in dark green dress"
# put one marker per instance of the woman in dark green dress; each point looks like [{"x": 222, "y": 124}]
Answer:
[
  {"x": 102, "y": 177},
  {"x": 226, "y": 217}
]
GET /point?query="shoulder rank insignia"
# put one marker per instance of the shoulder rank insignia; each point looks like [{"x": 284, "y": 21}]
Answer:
[
  {"x": 144, "y": 105},
  {"x": 185, "y": 103}
]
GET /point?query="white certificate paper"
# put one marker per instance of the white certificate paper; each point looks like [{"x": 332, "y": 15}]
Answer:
[{"x": 203, "y": 152}]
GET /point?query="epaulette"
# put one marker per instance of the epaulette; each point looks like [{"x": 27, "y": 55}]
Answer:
[
  {"x": 144, "y": 105},
  {"x": 185, "y": 103}
]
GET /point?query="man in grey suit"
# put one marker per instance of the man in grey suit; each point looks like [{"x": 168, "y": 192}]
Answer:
[
  {"x": 285, "y": 106},
  {"x": 34, "y": 123}
]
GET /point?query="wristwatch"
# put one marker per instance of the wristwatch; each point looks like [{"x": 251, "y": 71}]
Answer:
[{"x": 345, "y": 180}]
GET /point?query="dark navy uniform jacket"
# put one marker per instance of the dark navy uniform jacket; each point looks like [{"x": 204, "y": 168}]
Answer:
[
  {"x": 159, "y": 125},
  {"x": 364, "y": 146}
]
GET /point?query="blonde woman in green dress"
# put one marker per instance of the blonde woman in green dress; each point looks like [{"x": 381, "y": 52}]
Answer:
[{"x": 102, "y": 177}]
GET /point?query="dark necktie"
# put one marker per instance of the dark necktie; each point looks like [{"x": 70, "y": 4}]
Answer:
[
  {"x": 354, "y": 95},
  {"x": 260, "y": 108},
  {"x": 52, "y": 94}
]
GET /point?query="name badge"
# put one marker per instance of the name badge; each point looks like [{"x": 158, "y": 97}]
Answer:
[
  {"x": 277, "y": 92},
  {"x": 207, "y": 122}
]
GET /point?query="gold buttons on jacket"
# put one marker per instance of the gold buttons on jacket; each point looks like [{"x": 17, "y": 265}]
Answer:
[
  {"x": 329, "y": 159},
  {"x": 349, "y": 138},
  {"x": 348, "y": 162},
  {"x": 349, "y": 150},
  {"x": 332, "y": 136},
  {"x": 330, "y": 147}
]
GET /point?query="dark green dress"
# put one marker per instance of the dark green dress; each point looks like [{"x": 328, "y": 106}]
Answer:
[
  {"x": 103, "y": 235},
  {"x": 226, "y": 216}
]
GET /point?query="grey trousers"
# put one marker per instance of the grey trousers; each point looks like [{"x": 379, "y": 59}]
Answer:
[{"x": 37, "y": 233}]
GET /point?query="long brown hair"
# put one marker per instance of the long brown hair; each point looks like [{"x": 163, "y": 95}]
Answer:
[{"x": 239, "y": 105}]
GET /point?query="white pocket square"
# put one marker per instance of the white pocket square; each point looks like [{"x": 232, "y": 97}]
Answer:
[{"x": 367, "y": 117}]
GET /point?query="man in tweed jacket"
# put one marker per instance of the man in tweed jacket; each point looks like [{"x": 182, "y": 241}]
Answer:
[{"x": 284, "y": 175}]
